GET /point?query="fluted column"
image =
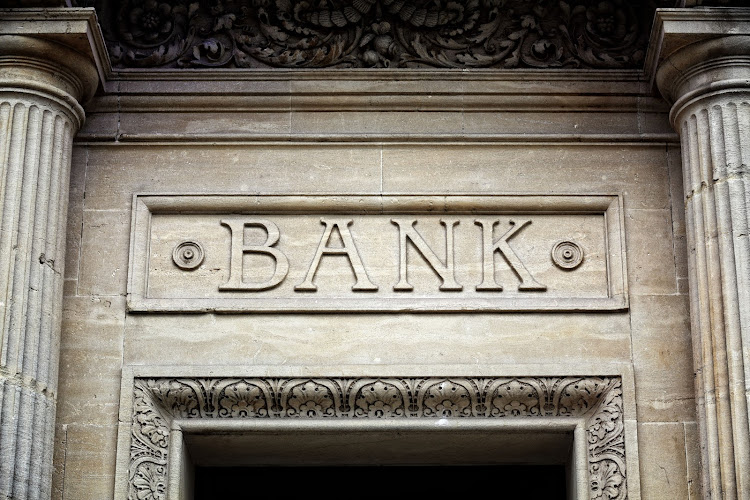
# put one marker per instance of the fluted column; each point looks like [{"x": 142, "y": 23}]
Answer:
[
  {"x": 706, "y": 75},
  {"x": 43, "y": 80}
]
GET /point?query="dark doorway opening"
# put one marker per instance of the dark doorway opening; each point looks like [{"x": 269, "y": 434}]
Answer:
[{"x": 543, "y": 482}]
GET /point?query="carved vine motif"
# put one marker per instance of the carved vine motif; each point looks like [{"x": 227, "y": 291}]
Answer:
[
  {"x": 378, "y": 33},
  {"x": 596, "y": 399}
]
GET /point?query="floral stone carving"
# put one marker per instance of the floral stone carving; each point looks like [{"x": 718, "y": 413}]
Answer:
[
  {"x": 377, "y": 33},
  {"x": 158, "y": 401}
]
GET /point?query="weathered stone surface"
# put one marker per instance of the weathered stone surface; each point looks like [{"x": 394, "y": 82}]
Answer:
[
  {"x": 652, "y": 252},
  {"x": 118, "y": 173},
  {"x": 91, "y": 345},
  {"x": 91, "y": 454},
  {"x": 662, "y": 446},
  {"x": 103, "y": 262},
  {"x": 711, "y": 110},
  {"x": 638, "y": 172},
  {"x": 40, "y": 112},
  {"x": 662, "y": 358},
  {"x": 368, "y": 339},
  {"x": 397, "y": 136}
]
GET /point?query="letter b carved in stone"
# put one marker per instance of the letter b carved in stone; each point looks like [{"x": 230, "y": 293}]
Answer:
[{"x": 239, "y": 249}]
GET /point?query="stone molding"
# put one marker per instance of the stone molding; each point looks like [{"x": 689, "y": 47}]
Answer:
[
  {"x": 706, "y": 74},
  {"x": 160, "y": 403},
  {"x": 278, "y": 106}
]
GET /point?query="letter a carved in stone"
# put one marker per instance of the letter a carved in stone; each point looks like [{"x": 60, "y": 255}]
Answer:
[
  {"x": 407, "y": 233},
  {"x": 489, "y": 247},
  {"x": 239, "y": 249},
  {"x": 348, "y": 248}
]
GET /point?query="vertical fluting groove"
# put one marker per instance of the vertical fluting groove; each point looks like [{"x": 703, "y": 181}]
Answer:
[
  {"x": 52, "y": 288},
  {"x": 40, "y": 229},
  {"x": 6, "y": 124},
  {"x": 25, "y": 430},
  {"x": 29, "y": 455},
  {"x": 717, "y": 200},
  {"x": 38, "y": 447},
  {"x": 701, "y": 304},
  {"x": 742, "y": 190},
  {"x": 23, "y": 259},
  {"x": 701, "y": 386},
  {"x": 35, "y": 149},
  {"x": 716, "y": 309},
  {"x": 55, "y": 246},
  {"x": 9, "y": 224},
  {"x": 11, "y": 196},
  {"x": 45, "y": 489},
  {"x": 8, "y": 443},
  {"x": 34, "y": 303},
  {"x": 725, "y": 162}
]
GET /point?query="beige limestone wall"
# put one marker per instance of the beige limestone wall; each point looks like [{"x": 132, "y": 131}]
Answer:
[{"x": 619, "y": 144}]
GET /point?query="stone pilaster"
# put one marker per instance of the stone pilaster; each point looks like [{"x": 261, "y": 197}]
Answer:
[
  {"x": 704, "y": 70},
  {"x": 46, "y": 72}
]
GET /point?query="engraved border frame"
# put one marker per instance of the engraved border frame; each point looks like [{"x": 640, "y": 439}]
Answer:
[
  {"x": 159, "y": 404},
  {"x": 145, "y": 205}
]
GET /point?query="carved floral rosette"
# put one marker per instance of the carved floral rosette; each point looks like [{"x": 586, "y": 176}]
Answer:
[
  {"x": 377, "y": 33},
  {"x": 157, "y": 401}
]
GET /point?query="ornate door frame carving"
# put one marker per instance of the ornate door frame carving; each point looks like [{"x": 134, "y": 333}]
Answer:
[{"x": 159, "y": 409}]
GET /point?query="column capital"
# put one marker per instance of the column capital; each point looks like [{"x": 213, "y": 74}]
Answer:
[
  {"x": 698, "y": 53},
  {"x": 55, "y": 53}
]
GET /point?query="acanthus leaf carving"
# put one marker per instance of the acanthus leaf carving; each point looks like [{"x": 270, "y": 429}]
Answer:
[
  {"x": 159, "y": 401},
  {"x": 499, "y": 34}
]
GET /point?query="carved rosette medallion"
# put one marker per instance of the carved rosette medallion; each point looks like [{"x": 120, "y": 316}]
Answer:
[
  {"x": 378, "y": 33},
  {"x": 188, "y": 255},
  {"x": 159, "y": 401},
  {"x": 567, "y": 255}
]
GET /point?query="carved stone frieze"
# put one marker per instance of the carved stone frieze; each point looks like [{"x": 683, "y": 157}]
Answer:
[
  {"x": 159, "y": 401},
  {"x": 377, "y": 33}
]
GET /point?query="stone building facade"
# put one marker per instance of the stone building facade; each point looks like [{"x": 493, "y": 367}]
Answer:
[{"x": 282, "y": 233}]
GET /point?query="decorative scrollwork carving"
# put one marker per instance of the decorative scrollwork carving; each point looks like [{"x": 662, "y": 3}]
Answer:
[
  {"x": 158, "y": 401},
  {"x": 378, "y": 33}
]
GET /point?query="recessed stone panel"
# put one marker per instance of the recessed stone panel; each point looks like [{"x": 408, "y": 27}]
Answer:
[{"x": 377, "y": 253}]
